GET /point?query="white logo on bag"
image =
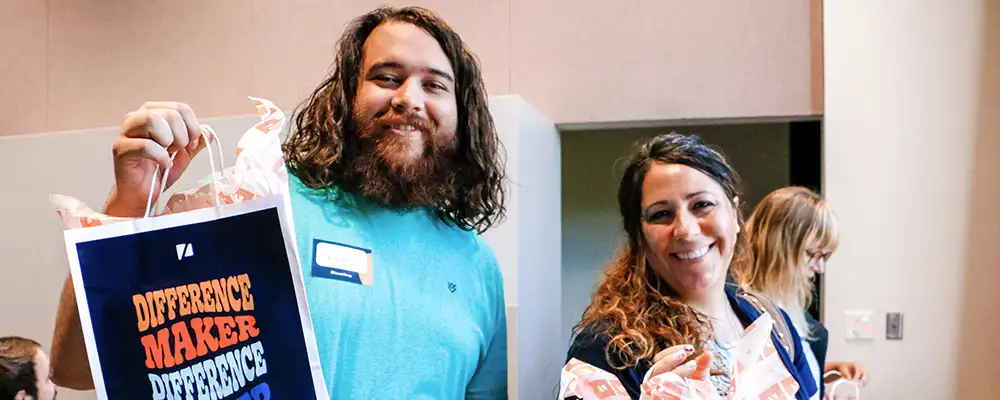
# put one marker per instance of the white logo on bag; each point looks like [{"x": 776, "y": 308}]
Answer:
[{"x": 184, "y": 250}]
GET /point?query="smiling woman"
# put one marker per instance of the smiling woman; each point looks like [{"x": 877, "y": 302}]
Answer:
[{"x": 667, "y": 287}]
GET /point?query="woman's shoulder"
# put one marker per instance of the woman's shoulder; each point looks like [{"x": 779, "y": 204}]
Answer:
[{"x": 591, "y": 345}]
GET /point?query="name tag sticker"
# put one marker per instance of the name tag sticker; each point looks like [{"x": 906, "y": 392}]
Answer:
[{"x": 342, "y": 262}]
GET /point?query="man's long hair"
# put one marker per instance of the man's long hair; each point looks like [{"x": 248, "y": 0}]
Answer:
[{"x": 324, "y": 130}]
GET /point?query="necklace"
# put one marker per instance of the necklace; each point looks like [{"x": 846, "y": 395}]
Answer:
[{"x": 728, "y": 327}]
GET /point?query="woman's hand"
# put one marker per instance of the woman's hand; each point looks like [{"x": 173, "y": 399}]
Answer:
[
  {"x": 672, "y": 360},
  {"x": 847, "y": 370}
]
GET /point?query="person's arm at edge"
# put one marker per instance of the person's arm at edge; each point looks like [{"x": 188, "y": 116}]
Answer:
[{"x": 69, "y": 365}]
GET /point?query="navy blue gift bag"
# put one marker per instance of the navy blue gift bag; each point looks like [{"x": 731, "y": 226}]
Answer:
[{"x": 205, "y": 304}]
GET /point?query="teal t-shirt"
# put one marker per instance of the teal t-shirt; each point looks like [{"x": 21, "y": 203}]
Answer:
[{"x": 432, "y": 323}]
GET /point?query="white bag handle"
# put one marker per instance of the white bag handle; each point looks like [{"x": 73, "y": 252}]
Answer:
[
  {"x": 839, "y": 381},
  {"x": 208, "y": 134}
]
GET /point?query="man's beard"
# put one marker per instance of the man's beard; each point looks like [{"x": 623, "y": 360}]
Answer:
[{"x": 381, "y": 168}]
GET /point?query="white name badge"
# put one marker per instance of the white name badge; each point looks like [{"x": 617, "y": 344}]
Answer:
[{"x": 343, "y": 262}]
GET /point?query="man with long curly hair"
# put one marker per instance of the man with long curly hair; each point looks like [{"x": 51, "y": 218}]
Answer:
[{"x": 395, "y": 153}]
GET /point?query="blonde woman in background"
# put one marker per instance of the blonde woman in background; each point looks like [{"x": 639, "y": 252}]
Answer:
[{"x": 792, "y": 234}]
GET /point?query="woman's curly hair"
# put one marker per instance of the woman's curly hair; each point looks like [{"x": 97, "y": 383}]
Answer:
[
  {"x": 632, "y": 307},
  {"x": 324, "y": 127}
]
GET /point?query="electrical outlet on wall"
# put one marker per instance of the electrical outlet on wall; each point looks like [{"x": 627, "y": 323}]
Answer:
[
  {"x": 858, "y": 325},
  {"x": 894, "y": 326}
]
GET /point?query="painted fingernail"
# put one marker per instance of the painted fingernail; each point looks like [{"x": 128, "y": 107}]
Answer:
[
  {"x": 682, "y": 355},
  {"x": 690, "y": 364},
  {"x": 688, "y": 348}
]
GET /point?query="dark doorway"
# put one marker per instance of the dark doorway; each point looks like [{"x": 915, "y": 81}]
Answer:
[{"x": 805, "y": 156}]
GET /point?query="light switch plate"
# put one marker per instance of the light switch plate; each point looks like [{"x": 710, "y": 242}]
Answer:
[
  {"x": 858, "y": 325},
  {"x": 894, "y": 326}
]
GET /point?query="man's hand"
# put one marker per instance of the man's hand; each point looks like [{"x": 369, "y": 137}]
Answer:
[{"x": 148, "y": 138}]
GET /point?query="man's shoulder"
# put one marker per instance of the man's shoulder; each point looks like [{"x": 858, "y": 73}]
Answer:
[
  {"x": 482, "y": 250},
  {"x": 470, "y": 249},
  {"x": 299, "y": 192},
  {"x": 337, "y": 208},
  {"x": 435, "y": 233}
]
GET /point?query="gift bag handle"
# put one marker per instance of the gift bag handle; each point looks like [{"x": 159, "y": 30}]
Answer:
[
  {"x": 839, "y": 381},
  {"x": 208, "y": 134}
]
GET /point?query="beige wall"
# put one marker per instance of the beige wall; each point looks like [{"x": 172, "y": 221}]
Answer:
[
  {"x": 977, "y": 375},
  {"x": 591, "y": 167},
  {"x": 79, "y": 64},
  {"x": 910, "y": 103},
  {"x": 911, "y": 169}
]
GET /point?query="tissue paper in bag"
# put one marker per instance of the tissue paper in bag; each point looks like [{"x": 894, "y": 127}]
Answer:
[
  {"x": 259, "y": 171},
  {"x": 758, "y": 373}
]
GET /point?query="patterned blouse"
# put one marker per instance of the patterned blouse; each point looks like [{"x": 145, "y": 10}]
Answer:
[{"x": 723, "y": 361}]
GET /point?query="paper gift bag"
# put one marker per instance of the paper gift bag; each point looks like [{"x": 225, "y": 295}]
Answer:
[{"x": 200, "y": 304}]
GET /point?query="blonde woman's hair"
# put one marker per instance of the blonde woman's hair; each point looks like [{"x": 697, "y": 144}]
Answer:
[{"x": 782, "y": 228}]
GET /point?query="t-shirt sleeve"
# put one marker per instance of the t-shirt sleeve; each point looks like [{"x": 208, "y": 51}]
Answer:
[{"x": 490, "y": 379}]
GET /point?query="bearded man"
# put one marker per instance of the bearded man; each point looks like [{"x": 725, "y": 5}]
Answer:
[{"x": 396, "y": 154}]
